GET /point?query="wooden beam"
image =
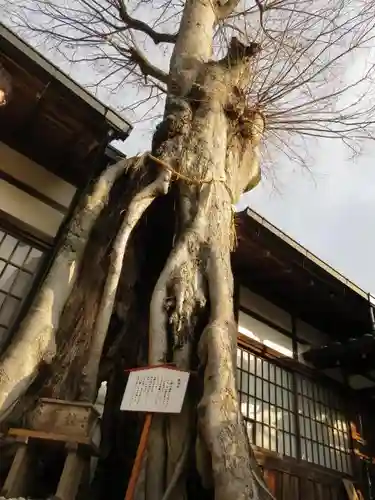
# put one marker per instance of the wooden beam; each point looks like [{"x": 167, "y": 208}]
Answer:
[
  {"x": 53, "y": 437},
  {"x": 367, "y": 393},
  {"x": 72, "y": 474},
  {"x": 16, "y": 482}
]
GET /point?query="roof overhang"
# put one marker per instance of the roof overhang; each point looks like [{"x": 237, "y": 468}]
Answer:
[
  {"x": 273, "y": 264},
  {"x": 50, "y": 118}
]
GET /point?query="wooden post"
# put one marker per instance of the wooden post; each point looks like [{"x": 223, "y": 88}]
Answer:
[
  {"x": 155, "y": 402},
  {"x": 138, "y": 458},
  {"x": 72, "y": 473},
  {"x": 15, "y": 484}
]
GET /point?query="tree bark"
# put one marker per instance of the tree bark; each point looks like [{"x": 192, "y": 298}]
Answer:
[
  {"x": 220, "y": 159},
  {"x": 35, "y": 342},
  {"x": 137, "y": 207}
]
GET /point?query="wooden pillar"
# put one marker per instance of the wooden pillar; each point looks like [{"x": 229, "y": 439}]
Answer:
[
  {"x": 71, "y": 477},
  {"x": 236, "y": 297},
  {"x": 16, "y": 483}
]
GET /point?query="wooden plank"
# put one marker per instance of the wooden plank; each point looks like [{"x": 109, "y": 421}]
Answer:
[
  {"x": 270, "y": 479},
  {"x": 307, "y": 489},
  {"x": 334, "y": 492},
  {"x": 51, "y": 436},
  {"x": 279, "y": 485},
  {"x": 319, "y": 491},
  {"x": 62, "y": 402},
  {"x": 71, "y": 476},
  {"x": 327, "y": 491},
  {"x": 286, "y": 487},
  {"x": 16, "y": 482},
  {"x": 272, "y": 461},
  {"x": 294, "y": 488}
]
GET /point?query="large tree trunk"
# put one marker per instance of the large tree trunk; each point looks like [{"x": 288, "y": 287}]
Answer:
[
  {"x": 208, "y": 143},
  {"x": 216, "y": 165}
]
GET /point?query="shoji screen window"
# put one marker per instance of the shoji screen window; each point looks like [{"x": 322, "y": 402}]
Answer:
[
  {"x": 19, "y": 261},
  {"x": 323, "y": 428},
  {"x": 267, "y": 403}
]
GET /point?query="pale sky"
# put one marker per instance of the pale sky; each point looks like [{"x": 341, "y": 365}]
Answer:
[{"x": 330, "y": 209}]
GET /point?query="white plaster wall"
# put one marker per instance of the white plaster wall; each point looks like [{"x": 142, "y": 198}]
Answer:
[
  {"x": 256, "y": 330},
  {"x": 23, "y": 169},
  {"x": 27, "y": 208},
  {"x": 264, "y": 308}
]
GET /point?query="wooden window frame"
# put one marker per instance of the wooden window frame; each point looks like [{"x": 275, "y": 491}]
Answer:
[
  {"x": 20, "y": 233},
  {"x": 298, "y": 370}
]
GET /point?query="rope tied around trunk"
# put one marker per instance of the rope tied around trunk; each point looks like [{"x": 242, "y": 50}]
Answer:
[{"x": 200, "y": 182}]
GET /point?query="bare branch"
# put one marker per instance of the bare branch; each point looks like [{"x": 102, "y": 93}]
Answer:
[
  {"x": 299, "y": 81},
  {"x": 136, "y": 56},
  {"x": 137, "y": 25},
  {"x": 226, "y": 9}
]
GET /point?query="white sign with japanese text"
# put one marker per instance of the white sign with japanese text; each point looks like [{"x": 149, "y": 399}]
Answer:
[{"x": 155, "y": 390}]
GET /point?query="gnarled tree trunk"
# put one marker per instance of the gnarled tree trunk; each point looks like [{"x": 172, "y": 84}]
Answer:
[
  {"x": 216, "y": 165},
  {"x": 35, "y": 341}
]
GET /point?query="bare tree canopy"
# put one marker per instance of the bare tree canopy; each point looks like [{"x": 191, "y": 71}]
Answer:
[{"x": 301, "y": 82}]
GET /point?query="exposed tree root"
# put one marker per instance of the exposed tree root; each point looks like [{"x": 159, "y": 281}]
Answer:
[
  {"x": 179, "y": 468},
  {"x": 171, "y": 279},
  {"x": 137, "y": 207},
  {"x": 219, "y": 413},
  {"x": 235, "y": 472},
  {"x": 34, "y": 342},
  {"x": 179, "y": 279}
]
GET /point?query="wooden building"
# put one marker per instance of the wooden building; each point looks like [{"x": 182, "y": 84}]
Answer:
[
  {"x": 306, "y": 371},
  {"x": 54, "y": 139}
]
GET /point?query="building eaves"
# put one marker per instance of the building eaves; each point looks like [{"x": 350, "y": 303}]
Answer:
[
  {"x": 310, "y": 256},
  {"x": 119, "y": 124}
]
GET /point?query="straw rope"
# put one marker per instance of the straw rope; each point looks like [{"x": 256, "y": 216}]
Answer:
[{"x": 200, "y": 182}]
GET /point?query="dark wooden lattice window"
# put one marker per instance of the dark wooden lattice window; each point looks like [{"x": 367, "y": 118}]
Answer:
[
  {"x": 266, "y": 395},
  {"x": 19, "y": 261},
  {"x": 323, "y": 427}
]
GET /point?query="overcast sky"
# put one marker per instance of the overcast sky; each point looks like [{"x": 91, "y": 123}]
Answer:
[
  {"x": 330, "y": 209},
  {"x": 332, "y": 213}
]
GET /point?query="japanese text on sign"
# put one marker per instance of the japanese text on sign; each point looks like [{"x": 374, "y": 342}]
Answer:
[{"x": 155, "y": 390}]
